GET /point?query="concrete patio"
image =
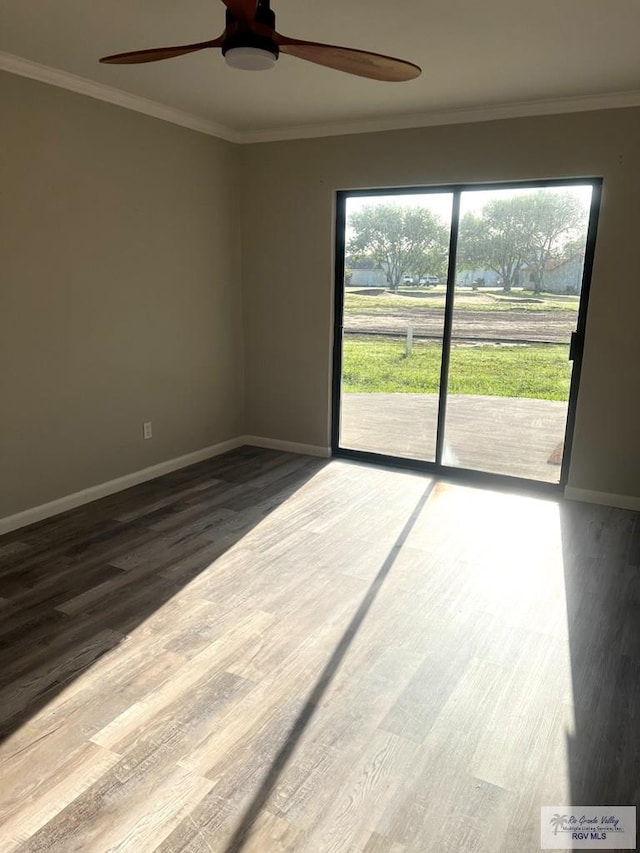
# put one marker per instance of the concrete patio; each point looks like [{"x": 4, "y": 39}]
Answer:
[{"x": 501, "y": 435}]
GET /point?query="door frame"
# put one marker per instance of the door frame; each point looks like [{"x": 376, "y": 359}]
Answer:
[{"x": 576, "y": 343}]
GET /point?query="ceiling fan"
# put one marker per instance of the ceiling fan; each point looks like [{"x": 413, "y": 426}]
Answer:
[{"x": 250, "y": 42}]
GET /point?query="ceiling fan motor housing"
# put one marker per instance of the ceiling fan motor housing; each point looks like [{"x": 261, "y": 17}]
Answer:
[{"x": 244, "y": 42}]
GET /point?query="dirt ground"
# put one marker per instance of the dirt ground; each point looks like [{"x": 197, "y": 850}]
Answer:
[{"x": 552, "y": 326}]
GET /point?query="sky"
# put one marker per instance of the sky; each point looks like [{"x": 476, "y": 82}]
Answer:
[{"x": 470, "y": 201}]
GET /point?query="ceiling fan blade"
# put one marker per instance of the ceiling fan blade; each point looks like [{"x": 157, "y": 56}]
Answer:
[
  {"x": 155, "y": 53},
  {"x": 377, "y": 66},
  {"x": 243, "y": 10}
]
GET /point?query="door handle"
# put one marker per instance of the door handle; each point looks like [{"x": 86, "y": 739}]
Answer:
[{"x": 575, "y": 346}]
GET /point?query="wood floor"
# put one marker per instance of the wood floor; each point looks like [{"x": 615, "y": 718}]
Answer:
[{"x": 268, "y": 652}]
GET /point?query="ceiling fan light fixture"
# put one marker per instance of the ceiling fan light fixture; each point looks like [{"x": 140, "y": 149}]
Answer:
[{"x": 250, "y": 58}]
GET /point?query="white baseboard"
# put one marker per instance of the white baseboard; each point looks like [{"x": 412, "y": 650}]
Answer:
[
  {"x": 287, "y": 446},
  {"x": 605, "y": 498},
  {"x": 93, "y": 493}
]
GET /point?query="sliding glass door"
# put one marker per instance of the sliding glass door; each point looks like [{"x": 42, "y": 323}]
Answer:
[
  {"x": 459, "y": 323},
  {"x": 393, "y": 297}
]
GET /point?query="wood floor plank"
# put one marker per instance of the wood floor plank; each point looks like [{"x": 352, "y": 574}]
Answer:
[
  {"x": 78, "y": 772},
  {"x": 272, "y": 833},
  {"x": 84, "y": 707},
  {"x": 134, "y": 815},
  {"x": 379, "y": 844},
  {"x": 184, "y": 681},
  {"x": 33, "y": 688},
  {"x": 269, "y": 652},
  {"x": 358, "y": 798}
]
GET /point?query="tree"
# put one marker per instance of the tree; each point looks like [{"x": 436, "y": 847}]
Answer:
[
  {"x": 527, "y": 230},
  {"x": 572, "y": 248},
  {"x": 496, "y": 239},
  {"x": 402, "y": 240},
  {"x": 433, "y": 262},
  {"x": 360, "y": 262},
  {"x": 553, "y": 221}
]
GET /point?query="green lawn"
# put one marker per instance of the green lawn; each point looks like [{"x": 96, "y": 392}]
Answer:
[
  {"x": 382, "y": 366},
  {"x": 427, "y": 300}
]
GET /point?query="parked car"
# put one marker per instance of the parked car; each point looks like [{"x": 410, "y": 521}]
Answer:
[{"x": 430, "y": 280}]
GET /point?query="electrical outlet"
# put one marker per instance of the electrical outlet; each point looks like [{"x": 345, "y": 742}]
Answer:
[{"x": 146, "y": 429}]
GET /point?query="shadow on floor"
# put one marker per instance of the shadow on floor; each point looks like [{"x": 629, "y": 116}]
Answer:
[
  {"x": 72, "y": 587},
  {"x": 601, "y": 551},
  {"x": 327, "y": 675}
]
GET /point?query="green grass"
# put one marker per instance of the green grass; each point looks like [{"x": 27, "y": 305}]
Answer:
[
  {"x": 386, "y": 303},
  {"x": 381, "y": 366}
]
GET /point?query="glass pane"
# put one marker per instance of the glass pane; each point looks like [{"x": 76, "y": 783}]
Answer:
[
  {"x": 518, "y": 278},
  {"x": 396, "y": 263}
]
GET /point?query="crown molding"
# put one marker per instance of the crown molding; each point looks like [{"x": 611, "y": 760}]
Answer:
[
  {"x": 83, "y": 86},
  {"x": 585, "y": 103}
]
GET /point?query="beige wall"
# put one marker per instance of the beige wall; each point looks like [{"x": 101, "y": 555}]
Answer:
[
  {"x": 119, "y": 292},
  {"x": 288, "y": 267}
]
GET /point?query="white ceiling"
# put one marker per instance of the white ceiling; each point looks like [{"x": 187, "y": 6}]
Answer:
[{"x": 475, "y": 54}]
